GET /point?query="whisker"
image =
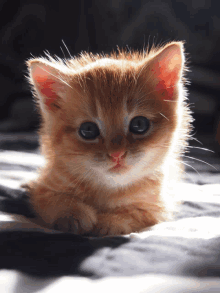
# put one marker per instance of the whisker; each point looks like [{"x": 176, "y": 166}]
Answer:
[
  {"x": 145, "y": 81},
  {"x": 184, "y": 163},
  {"x": 143, "y": 67},
  {"x": 204, "y": 149},
  {"x": 185, "y": 171},
  {"x": 88, "y": 181},
  {"x": 193, "y": 138},
  {"x": 200, "y": 161},
  {"x": 164, "y": 116},
  {"x": 75, "y": 185},
  {"x": 83, "y": 178}
]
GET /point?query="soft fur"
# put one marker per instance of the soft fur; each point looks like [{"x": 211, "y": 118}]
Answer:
[{"x": 78, "y": 190}]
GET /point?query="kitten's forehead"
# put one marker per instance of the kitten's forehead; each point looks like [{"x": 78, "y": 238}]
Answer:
[
  {"x": 106, "y": 85},
  {"x": 111, "y": 92}
]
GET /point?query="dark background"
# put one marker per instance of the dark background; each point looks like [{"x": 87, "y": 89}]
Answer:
[{"x": 31, "y": 27}]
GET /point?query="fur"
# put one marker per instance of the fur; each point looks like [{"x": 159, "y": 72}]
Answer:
[{"x": 78, "y": 190}]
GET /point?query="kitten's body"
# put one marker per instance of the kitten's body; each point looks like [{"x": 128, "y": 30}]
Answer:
[{"x": 120, "y": 181}]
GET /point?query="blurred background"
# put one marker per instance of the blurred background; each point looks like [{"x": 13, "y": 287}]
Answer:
[{"x": 31, "y": 27}]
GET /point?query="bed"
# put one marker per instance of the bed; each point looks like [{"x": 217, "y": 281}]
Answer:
[{"x": 178, "y": 256}]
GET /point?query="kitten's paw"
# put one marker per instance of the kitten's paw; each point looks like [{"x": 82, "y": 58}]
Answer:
[
  {"x": 67, "y": 224},
  {"x": 112, "y": 225},
  {"x": 123, "y": 222},
  {"x": 79, "y": 220}
]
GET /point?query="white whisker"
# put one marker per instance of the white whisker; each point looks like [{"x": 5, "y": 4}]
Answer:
[
  {"x": 193, "y": 138},
  {"x": 81, "y": 181},
  {"x": 145, "y": 81},
  {"x": 164, "y": 116},
  {"x": 200, "y": 161},
  {"x": 204, "y": 149},
  {"x": 176, "y": 166},
  {"x": 184, "y": 163}
]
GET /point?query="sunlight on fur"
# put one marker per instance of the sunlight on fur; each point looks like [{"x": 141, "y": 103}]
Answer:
[{"x": 112, "y": 133}]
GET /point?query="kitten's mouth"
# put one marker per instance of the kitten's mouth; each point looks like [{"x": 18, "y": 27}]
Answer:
[{"x": 118, "y": 167}]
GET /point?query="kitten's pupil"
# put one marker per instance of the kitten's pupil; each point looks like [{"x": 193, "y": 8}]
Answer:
[
  {"x": 139, "y": 125},
  {"x": 89, "y": 130}
]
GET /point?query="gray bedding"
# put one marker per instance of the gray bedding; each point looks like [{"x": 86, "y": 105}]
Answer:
[{"x": 178, "y": 256}]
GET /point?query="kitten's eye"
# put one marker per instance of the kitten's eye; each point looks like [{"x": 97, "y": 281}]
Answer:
[
  {"x": 89, "y": 130},
  {"x": 139, "y": 125}
]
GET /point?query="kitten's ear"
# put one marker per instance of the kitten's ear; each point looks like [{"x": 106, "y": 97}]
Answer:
[
  {"x": 166, "y": 68},
  {"x": 48, "y": 82}
]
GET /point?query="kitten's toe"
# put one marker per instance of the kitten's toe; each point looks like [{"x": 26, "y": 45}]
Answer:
[
  {"x": 81, "y": 221},
  {"x": 67, "y": 224}
]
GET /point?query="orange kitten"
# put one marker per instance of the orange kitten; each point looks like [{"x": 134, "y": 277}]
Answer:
[{"x": 113, "y": 131}]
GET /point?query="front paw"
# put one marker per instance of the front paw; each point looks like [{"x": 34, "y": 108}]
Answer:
[
  {"x": 68, "y": 223},
  {"x": 80, "y": 221},
  {"x": 112, "y": 225},
  {"x": 78, "y": 218},
  {"x": 124, "y": 221}
]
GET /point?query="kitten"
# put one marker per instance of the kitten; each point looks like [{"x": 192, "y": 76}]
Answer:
[{"x": 113, "y": 131}]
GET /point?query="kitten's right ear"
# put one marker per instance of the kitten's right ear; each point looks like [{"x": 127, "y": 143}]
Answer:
[
  {"x": 49, "y": 83},
  {"x": 166, "y": 69}
]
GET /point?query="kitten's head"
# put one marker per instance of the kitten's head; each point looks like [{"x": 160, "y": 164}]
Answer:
[{"x": 112, "y": 119}]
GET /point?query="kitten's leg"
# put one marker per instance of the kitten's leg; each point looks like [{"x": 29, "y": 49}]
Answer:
[
  {"x": 132, "y": 218},
  {"x": 62, "y": 212}
]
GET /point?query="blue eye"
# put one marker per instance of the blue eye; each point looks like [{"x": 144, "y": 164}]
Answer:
[
  {"x": 139, "y": 125},
  {"x": 89, "y": 130}
]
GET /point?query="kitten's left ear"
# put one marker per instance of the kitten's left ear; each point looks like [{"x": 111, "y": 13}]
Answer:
[
  {"x": 166, "y": 68},
  {"x": 48, "y": 80}
]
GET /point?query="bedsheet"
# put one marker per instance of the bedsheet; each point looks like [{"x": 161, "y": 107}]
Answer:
[{"x": 182, "y": 255}]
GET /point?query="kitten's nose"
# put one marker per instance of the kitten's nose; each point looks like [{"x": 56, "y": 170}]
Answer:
[{"x": 117, "y": 155}]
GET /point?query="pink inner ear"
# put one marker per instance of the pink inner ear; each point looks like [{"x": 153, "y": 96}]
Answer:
[
  {"x": 166, "y": 79},
  {"x": 46, "y": 87}
]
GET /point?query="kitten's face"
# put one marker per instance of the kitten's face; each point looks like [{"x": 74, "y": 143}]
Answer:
[
  {"x": 118, "y": 132},
  {"x": 113, "y": 125}
]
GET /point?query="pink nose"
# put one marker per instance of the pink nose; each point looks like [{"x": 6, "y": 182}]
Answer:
[{"x": 117, "y": 154}]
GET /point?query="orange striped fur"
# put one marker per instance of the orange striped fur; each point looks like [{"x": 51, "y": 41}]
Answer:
[{"x": 80, "y": 189}]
